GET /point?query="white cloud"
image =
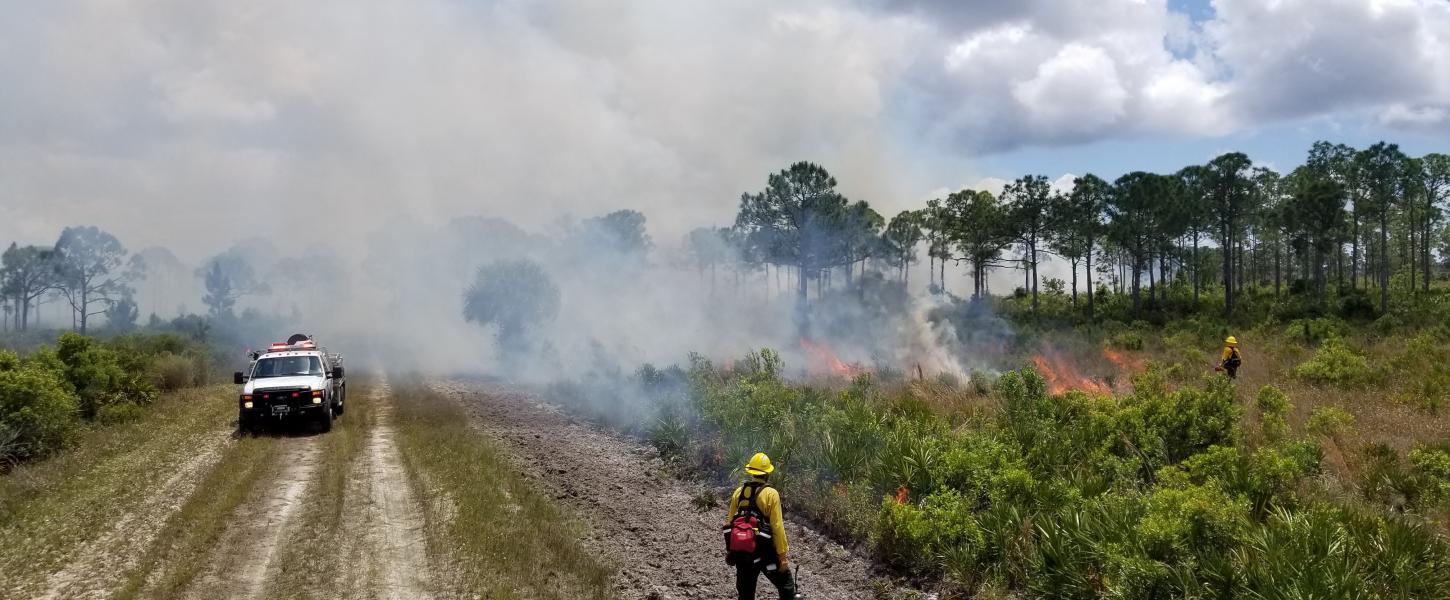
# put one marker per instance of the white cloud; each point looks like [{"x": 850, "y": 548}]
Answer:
[
  {"x": 1038, "y": 72},
  {"x": 1050, "y": 73},
  {"x": 1419, "y": 116},
  {"x": 1295, "y": 58},
  {"x": 1077, "y": 92}
]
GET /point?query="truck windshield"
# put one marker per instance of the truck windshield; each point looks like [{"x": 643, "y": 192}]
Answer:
[{"x": 288, "y": 366}]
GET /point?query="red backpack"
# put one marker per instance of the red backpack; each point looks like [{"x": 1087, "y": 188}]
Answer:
[{"x": 742, "y": 536}]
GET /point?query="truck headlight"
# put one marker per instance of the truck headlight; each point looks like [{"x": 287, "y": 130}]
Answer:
[
  {"x": 316, "y": 400},
  {"x": 246, "y": 405}
]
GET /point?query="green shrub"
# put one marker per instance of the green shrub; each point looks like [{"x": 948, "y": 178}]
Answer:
[
  {"x": 1427, "y": 390},
  {"x": 921, "y": 539},
  {"x": 1432, "y": 465},
  {"x": 1167, "y": 427},
  {"x": 1329, "y": 421},
  {"x": 8, "y": 360},
  {"x": 1384, "y": 479},
  {"x": 121, "y": 412},
  {"x": 174, "y": 371},
  {"x": 92, "y": 371},
  {"x": 1313, "y": 331},
  {"x": 1127, "y": 340},
  {"x": 1356, "y": 305},
  {"x": 1180, "y": 521},
  {"x": 38, "y": 411},
  {"x": 1273, "y": 406},
  {"x": 1335, "y": 363}
]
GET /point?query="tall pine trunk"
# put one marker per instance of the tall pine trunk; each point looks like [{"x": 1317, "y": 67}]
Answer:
[
  {"x": 1089, "y": 262},
  {"x": 1354, "y": 253},
  {"x": 1384, "y": 259}
]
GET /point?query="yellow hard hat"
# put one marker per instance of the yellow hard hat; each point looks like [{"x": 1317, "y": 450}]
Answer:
[
  {"x": 1232, "y": 341},
  {"x": 759, "y": 465}
]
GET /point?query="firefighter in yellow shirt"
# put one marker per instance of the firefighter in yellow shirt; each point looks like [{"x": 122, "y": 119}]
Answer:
[
  {"x": 1230, "y": 360},
  {"x": 755, "y": 498}
]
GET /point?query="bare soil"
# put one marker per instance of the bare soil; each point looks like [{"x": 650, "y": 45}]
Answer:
[
  {"x": 239, "y": 564},
  {"x": 390, "y": 519},
  {"x": 641, "y": 516},
  {"x": 97, "y": 567}
]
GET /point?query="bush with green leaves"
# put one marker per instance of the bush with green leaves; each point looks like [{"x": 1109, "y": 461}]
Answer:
[
  {"x": 52, "y": 390},
  {"x": 38, "y": 410},
  {"x": 921, "y": 537},
  {"x": 1179, "y": 522},
  {"x": 1329, "y": 421},
  {"x": 1431, "y": 464},
  {"x": 171, "y": 371},
  {"x": 1337, "y": 364},
  {"x": 120, "y": 412},
  {"x": 1273, "y": 406}
]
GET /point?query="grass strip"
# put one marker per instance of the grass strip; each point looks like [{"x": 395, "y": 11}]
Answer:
[
  {"x": 501, "y": 538},
  {"x": 313, "y": 557},
  {"x": 49, "y": 508},
  {"x": 189, "y": 535}
]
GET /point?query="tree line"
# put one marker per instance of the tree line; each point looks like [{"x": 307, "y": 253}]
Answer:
[
  {"x": 1353, "y": 217},
  {"x": 89, "y": 269},
  {"x": 94, "y": 275}
]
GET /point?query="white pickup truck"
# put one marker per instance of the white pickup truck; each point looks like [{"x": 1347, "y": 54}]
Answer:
[{"x": 291, "y": 380}]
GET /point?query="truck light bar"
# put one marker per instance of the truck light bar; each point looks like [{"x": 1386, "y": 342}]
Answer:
[{"x": 284, "y": 347}]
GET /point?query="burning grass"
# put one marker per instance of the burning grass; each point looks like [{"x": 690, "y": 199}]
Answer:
[{"x": 824, "y": 360}]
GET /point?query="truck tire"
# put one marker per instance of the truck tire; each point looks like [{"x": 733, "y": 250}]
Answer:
[
  {"x": 325, "y": 421},
  {"x": 246, "y": 425},
  {"x": 341, "y": 397}
]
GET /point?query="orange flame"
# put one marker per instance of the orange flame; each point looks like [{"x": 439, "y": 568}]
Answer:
[
  {"x": 822, "y": 358},
  {"x": 1123, "y": 361},
  {"x": 1062, "y": 376},
  {"x": 902, "y": 494}
]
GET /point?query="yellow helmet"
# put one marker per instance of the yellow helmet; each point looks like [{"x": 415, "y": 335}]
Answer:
[
  {"x": 759, "y": 465},
  {"x": 1232, "y": 341}
]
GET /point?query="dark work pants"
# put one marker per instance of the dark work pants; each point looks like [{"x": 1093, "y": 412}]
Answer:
[{"x": 747, "y": 575}]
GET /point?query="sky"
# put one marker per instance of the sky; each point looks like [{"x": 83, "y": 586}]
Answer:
[{"x": 193, "y": 123}]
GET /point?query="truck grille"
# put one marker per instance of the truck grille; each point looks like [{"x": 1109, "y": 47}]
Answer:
[{"x": 282, "y": 397}]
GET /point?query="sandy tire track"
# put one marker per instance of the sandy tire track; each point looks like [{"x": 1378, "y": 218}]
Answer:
[
  {"x": 384, "y": 525},
  {"x": 239, "y": 564},
  {"x": 99, "y": 566},
  {"x": 640, "y": 516}
]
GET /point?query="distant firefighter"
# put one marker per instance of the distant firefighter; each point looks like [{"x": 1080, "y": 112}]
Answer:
[{"x": 1230, "y": 360}]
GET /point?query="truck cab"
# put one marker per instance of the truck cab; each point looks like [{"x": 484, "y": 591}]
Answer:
[{"x": 291, "y": 381}]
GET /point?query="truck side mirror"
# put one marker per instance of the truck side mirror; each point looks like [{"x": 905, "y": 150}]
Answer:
[
  {"x": 337, "y": 372},
  {"x": 238, "y": 378}
]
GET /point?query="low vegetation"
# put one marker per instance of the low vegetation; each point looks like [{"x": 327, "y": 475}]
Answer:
[
  {"x": 499, "y": 536},
  {"x": 52, "y": 393},
  {"x": 1162, "y": 492}
]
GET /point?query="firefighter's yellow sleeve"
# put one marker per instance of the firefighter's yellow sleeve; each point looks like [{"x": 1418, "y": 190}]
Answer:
[
  {"x": 769, "y": 505},
  {"x": 1227, "y": 352}
]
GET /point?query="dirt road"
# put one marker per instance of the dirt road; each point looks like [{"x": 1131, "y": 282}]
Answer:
[
  {"x": 184, "y": 507},
  {"x": 640, "y": 517}
]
